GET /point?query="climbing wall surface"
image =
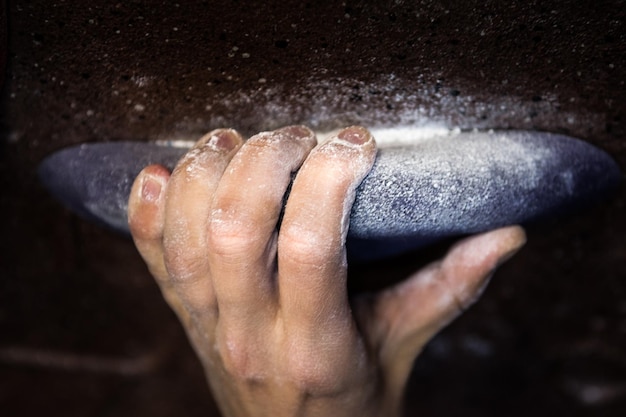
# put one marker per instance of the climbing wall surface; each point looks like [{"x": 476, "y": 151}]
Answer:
[{"x": 84, "y": 329}]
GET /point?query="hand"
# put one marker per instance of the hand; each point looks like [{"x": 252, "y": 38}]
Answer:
[{"x": 262, "y": 292}]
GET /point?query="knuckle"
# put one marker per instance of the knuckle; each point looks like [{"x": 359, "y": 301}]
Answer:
[
  {"x": 315, "y": 374},
  {"x": 307, "y": 246},
  {"x": 310, "y": 244},
  {"x": 183, "y": 265},
  {"x": 231, "y": 236},
  {"x": 327, "y": 360},
  {"x": 239, "y": 358},
  {"x": 311, "y": 377}
]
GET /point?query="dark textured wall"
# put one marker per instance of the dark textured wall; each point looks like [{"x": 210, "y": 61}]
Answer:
[{"x": 83, "y": 330}]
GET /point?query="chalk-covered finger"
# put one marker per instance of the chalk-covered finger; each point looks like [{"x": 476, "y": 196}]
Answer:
[
  {"x": 189, "y": 196},
  {"x": 146, "y": 218},
  {"x": 246, "y": 209},
  {"x": 146, "y": 214},
  {"x": 311, "y": 245}
]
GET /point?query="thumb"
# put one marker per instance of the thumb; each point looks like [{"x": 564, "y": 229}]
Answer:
[{"x": 409, "y": 314}]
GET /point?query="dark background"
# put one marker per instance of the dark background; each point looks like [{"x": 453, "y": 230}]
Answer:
[{"x": 83, "y": 329}]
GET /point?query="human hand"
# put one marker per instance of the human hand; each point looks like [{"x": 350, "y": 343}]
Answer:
[{"x": 262, "y": 293}]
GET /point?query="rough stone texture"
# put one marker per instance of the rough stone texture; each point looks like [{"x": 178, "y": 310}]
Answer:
[{"x": 84, "y": 330}]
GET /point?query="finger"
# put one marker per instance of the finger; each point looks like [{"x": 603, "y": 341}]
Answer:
[
  {"x": 311, "y": 243},
  {"x": 187, "y": 210},
  {"x": 146, "y": 217},
  {"x": 244, "y": 216},
  {"x": 410, "y": 314},
  {"x": 146, "y": 213}
]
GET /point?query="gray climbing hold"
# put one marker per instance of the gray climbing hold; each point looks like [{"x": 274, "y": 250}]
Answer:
[{"x": 414, "y": 195}]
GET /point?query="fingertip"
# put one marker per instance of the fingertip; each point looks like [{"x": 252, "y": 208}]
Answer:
[
  {"x": 470, "y": 264},
  {"x": 513, "y": 238},
  {"x": 353, "y": 141},
  {"x": 300, "y": 132},
  {"x": 145, "y": 205},
  {"x": 500, "y": 245},
  {"x": 488, "y": 249},
  {"x": 150, "y": 184},
  {"x": 347, "y": 155},
  {"x": 356, "y": 135},
  {"x": 153, "y": 181},
  {"x": 220, "y": 140}
]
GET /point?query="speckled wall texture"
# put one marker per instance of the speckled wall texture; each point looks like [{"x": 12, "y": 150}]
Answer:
[{"x": 83, "y": 330}]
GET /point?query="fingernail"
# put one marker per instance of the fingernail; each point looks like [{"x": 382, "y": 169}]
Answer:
[
  {"x": 223, "y": 139},
  {"x": 298, "y": 131},
  {"x": 355, "y": 134},
  {"x": 150, "y": 189}
]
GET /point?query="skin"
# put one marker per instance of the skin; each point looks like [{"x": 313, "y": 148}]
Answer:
[{"x": 262, "y": 294}]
